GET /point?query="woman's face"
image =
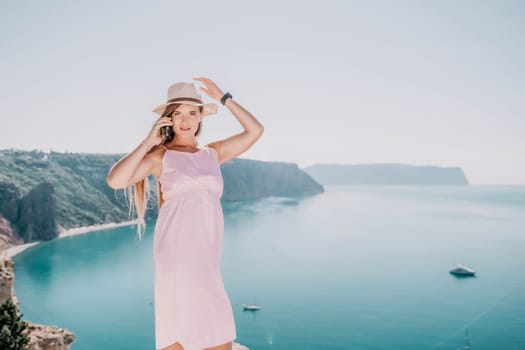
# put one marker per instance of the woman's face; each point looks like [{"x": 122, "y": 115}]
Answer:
[{"x": 186, "y": 119}]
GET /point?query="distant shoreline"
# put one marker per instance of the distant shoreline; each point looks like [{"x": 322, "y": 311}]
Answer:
[{"x": 14, "y": 250}]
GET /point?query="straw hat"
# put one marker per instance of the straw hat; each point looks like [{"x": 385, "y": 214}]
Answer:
[{"x": 186, "y": 93}]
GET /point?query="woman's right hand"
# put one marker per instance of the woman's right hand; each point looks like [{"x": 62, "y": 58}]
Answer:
[
  {"x": 154, "y": 137},
  {"x": 136, "y": 165}
]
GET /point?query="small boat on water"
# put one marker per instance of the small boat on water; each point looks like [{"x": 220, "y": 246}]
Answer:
[
  {"x": 462, "y": 271},
  {"x": 250, "y": 307}
]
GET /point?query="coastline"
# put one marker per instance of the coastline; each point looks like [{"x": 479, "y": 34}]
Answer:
[{"x": 14, "y": 250}]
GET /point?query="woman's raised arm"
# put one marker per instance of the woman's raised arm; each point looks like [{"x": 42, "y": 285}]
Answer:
[
  {"x": 139, "y": 163},
  {"x": 237, "y": 144}
]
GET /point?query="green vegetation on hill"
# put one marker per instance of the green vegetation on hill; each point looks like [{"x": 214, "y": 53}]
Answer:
[{"x": 83, "y": 198}]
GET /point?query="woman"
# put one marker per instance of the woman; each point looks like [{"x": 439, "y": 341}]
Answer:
[{"x": 192, "y": 308}]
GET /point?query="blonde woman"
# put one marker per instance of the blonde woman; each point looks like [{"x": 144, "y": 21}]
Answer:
[{"x": 192, "y": 308}]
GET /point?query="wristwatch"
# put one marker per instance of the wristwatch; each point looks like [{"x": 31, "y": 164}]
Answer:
[{"x": 225, "y": 97}]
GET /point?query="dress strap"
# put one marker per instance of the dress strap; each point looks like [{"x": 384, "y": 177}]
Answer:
[{"x": 164, "y": 147}]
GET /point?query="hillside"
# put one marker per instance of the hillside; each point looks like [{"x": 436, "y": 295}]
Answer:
[{"x": 43, "y": 193}]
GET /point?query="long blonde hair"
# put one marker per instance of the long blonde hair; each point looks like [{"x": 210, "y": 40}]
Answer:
[{"x": 138, "y": 193}]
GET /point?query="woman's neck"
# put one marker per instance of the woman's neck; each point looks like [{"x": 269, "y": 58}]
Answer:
[{"x": 188, "y": 142}]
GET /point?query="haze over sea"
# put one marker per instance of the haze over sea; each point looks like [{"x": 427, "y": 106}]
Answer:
[{"x": 352, "y": 268}]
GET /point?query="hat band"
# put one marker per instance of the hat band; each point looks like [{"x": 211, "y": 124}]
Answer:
[{"x": 184, "y": 99}]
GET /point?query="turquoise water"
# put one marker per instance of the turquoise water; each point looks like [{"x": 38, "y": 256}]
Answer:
[{"x": 353, "y": 268}]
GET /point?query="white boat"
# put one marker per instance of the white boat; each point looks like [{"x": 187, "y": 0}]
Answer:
[
  {"x": 463, "y": 271},
  {"x": 250, "y": 307}
]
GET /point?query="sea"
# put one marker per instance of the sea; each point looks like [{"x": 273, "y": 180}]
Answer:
[{"x": 356, "y": 267}]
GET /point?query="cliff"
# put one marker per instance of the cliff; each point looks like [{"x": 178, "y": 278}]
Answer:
[
  {"x": 31, "y": 217},
  {"x": 42, "y": 337},
  {"x": 252, "y": 179},
  {"x": 37, "y": 214},
  {"x": 386, "y": 174},
  {"x": 8, "y": 235}
]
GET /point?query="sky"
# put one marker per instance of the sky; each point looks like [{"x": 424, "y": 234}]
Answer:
[{"x": 345, "y": 82}]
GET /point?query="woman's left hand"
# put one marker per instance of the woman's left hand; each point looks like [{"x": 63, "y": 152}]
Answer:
[{"x": 211, "y": 89}]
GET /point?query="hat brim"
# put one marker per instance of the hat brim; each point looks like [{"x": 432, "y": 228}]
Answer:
[{"x": 208, "y": 108}]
